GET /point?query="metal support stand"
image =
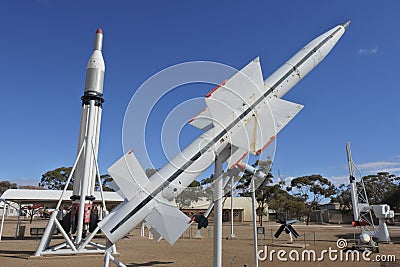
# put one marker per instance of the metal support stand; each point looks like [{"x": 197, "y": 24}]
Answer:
[
  {"x": 2, "y": 217},
  {"x": 70, "y": 246},
  {"x": 218, "y": 194},
  {"x": 18, "y": 221},
  {"x": 253, "y": 206},
  {"x": 290, "y": 241},
  {"x": 218, "y": 213},
  {"x": 232, "y": 234},
  {"x": 108, "y": 257},
  {"x": 87, "y": 167}
]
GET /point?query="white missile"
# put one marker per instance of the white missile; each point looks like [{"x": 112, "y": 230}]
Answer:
[
  {"x": 243, "y": 114},
  {"x": 251, "y": 170},
  {"x": 86, "y": 169}
]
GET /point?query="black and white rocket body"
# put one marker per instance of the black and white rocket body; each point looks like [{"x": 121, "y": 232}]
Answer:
[
  {"x": 88, "y": 144},
  {"x": 81, "y": 219}
]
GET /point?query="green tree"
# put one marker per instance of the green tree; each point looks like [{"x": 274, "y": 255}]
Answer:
[
  {"x": 343, "y": 197},
  {"x": 381, "y": 188},
  {"x": 392, "y": 198},
  {"x": 284, "y": 203},
  {"x": 105, "y": 179},
  {"x": 378, "y": 186},
  {"x": 56, "y": 179},
  {"x": 207, "y": 180},
  {"x": 5, "y": 185},
  {"x": 312, "y": 190}
]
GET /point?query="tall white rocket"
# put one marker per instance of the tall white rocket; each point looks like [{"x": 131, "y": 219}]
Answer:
[{"x": 86, "y": 170}]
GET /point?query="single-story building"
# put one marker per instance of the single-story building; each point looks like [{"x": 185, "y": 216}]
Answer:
[
  {"x": 331, "y": 213},
  {"x": 241, "y": 209}
]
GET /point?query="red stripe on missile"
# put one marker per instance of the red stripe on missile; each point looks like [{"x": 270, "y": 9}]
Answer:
[
  {"x": 266, "y": 145},
  {"x": 195, "y": 116},
  {"x": 215, "y": 89},
  {"x": 236, "y": 163}
]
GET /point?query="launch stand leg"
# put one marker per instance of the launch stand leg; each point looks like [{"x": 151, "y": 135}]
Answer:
[
  {"x": 218, "y": 214},
  {"x": 232, "y": 184},
  {"x": 253, "y": 207},
  {"x": 2, "y": 217},
  {"x": 218, "y": 194},
  {"x": 108, "y": 257}
]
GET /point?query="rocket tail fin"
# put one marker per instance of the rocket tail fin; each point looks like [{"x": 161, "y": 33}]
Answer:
[
  {"x": 202, "y": 120},
  {"x": 128, "y": 176},
  {"x": 167, "y": 221}
]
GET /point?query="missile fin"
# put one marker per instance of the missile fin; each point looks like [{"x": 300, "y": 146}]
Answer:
[
  {"x": 280, "y": 230},
  {"x": 167, "y": 221},
  {"x": 283, "y": 112},
  {"x": 268, "y": 119},
  {"x": 231, "y": 98},
  {"x": 202, "y": 120},
  {"x": 128, "y": 176},
  {"x": 291, "y": 230}
]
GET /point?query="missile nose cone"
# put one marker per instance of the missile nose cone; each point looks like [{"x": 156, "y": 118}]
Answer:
[
  {"x": 98, "y": 43},
  {"x": 346, "y": 24}
]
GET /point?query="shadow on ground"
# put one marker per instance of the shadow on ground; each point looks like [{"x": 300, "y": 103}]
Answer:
[
  {"x": 150, "y": 263},
  {"x": 20, "y": 254}
]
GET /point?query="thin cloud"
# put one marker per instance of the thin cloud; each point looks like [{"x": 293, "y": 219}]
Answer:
[
  {"x": 338, "y": 180},
  {"x": 380, "y": 166},
  {"x": 26, "y": 181},
  {"x": 368, "y": 51}
]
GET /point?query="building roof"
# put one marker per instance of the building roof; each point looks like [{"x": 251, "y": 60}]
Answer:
[{"x": 30, "y": 196}]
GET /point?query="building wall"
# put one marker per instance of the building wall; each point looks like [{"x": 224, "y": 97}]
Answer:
[
  {"x": 11, "y": 210},
  {"x": 330, "y": 216},
  {"x": 241, "y": 208}
]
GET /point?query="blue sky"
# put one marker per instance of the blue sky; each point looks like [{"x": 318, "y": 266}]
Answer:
[{"x": 352, "y": 96}]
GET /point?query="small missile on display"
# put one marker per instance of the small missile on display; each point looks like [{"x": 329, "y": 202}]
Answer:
[{"x": 243, "y": 114}]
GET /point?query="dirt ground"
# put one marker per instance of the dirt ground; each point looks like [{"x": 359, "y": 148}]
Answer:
[{"x": 140, "y": 251}]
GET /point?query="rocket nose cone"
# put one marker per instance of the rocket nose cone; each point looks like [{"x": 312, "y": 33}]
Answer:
[
  {"x": 346, "y": 24},
  {"x": 98, "y": 42}
]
